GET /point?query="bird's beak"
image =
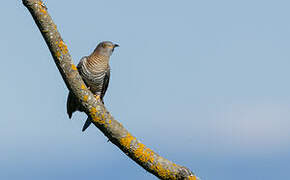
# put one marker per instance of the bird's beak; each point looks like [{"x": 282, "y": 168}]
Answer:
[{"x": 115, "y": 45}]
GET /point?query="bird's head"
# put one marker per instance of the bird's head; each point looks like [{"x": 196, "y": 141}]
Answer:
[{"x": 106, "y": 48}]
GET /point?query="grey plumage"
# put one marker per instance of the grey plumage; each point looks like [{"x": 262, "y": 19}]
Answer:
[{"x": 95, "y": 71}]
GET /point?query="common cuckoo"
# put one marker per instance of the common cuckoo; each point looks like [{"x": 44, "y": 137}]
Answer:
[{"x": 95, "y": 71}]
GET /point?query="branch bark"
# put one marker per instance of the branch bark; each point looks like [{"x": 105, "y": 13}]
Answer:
[{"x": 102, "y": 119}]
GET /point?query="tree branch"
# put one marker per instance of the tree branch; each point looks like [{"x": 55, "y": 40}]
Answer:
[{"x": 102, "y": 119}]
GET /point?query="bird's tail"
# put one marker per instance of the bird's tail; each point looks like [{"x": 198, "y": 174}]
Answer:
[
  {"x": 87, "y": 123},
  {"x": 72, "y": 104}
]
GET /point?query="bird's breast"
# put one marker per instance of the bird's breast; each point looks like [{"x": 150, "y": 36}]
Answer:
[{"x": 93, "y": 74}]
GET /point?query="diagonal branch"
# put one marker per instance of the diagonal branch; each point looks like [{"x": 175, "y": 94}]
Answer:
[{"x": 102, "y": 119}]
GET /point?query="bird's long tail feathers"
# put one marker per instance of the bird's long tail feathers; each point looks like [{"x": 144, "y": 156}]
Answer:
[
  {"x": 72, "y": 104},
  {"x": 87, "y": 123}
]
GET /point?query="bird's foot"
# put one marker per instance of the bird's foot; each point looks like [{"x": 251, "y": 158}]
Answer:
[{"x": 97, "y": 97}]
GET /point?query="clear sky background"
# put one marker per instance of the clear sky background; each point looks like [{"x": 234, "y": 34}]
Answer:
[{"x": 203, "y": 83}]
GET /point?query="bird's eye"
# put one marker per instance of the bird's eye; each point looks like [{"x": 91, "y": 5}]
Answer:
[{"x": 104, "y": 45}]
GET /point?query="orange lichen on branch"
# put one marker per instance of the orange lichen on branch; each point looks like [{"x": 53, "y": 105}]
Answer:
[
  {"x": 58, "y": 54},
  {"x": 100, "y": 120},
  {"x": 63, "y": 47},
  {"x": 163, "y": 172},
  {"x": 83, "y": 87},
  {"x": 126, "y": 141},
  {"x": 43, "y": 10},
  {"x": 93, "y": 112},
  {"x": 95, "y": 117},
  {"x": 74, "y": 67},
  {"x": 41, "y": 4},
  {"x": 86, "y": 97},
  {"x": 144, "y": 154},
  {"x": 42, "y": 7}
]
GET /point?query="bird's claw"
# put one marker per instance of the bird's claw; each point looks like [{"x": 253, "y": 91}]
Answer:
[{"x": 97, "y": 97}]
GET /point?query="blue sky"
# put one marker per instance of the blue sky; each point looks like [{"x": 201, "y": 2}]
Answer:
[{"x": 203, "y": 83}]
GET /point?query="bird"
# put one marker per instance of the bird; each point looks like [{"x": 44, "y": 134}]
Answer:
[{"x": 95, "y": 71}]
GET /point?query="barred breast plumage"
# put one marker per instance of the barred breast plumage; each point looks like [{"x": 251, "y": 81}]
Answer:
[{"x": 95, "y": 71}]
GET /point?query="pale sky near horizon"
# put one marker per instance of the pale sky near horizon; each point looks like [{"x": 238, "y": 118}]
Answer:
[{"x": 203, "y": 83}]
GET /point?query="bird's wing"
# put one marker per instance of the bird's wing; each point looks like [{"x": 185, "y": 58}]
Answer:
[{"x": 105, "y": 84}]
